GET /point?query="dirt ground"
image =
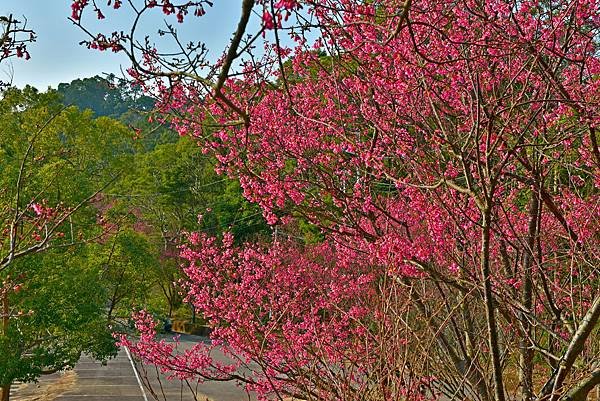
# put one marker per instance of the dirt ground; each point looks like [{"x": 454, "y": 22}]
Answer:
[{"x": 45, "y": 390}]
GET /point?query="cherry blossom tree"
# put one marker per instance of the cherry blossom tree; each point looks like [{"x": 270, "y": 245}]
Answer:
[{"x": 447, "y": 151}]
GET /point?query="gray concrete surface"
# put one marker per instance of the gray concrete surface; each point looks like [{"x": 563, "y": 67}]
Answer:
[
  {"x": 117, "y": 381},
  {"x": 113, "y": 381}
]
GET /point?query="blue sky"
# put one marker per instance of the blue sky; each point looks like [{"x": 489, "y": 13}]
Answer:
[{"x": 57, "y": 56}]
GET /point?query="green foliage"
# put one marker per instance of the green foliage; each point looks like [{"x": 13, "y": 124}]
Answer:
[
  {"x": 70, "y": 156},
  {"x": 60, "y": 158},
  {"x": 118, "y": 99},
  {"x": 127, "y": 264},
  {"x": 174, "y": 183},
  {"x": 105, "y": 97},
  {"x": 60, "y": 314}
]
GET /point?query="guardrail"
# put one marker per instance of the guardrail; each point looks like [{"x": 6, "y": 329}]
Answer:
[{"x": 185, "y": 327}]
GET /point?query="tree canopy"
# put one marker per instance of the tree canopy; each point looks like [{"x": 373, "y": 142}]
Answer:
[
  {"x": 55, "y": 160},
  {"x": 104, "y": 96}
]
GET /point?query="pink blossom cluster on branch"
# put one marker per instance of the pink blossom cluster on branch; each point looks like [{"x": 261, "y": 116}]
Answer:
[
  {"x": 298, "y": 311},
  {"x": 15, "y": 35}
]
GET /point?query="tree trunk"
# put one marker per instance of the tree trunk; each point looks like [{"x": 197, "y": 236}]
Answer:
[
  {"x": 5, "y": 390},
  {"x": 526, "y": 352},
  {"x": 492, "y": 327},
  {"x": 551, "y": 390},
  {"x": 581, "y": 391}
]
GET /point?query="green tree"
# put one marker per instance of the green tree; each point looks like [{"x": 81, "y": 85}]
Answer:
[
  {"x": 55, "y": 161},
  {"x": 173, "y": 184},
  {"x": 127, "y": 263},
  {"x": 57, "y": 313},
  {"x": 118, "y": 99},
  {"x": 167, "y": 189}
]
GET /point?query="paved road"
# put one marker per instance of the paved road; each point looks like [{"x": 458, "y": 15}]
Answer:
[
  {"x": 117, "y": 381},
  {"x": 114, "y": 381}
]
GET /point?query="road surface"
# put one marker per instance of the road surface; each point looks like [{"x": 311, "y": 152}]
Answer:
[{"x": 119, "y": 381}]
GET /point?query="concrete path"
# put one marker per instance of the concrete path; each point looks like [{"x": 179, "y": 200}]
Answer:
[
  {"x": 111, "y": 382},
  {"x": 119, "y": 381}
]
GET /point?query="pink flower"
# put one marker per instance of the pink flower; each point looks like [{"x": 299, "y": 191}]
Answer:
[
  {"x": 268, "y": 21},
  {"x": 37, "y": 208}
]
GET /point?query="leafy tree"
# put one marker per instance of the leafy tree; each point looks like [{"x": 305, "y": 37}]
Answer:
[
  {"x": 119, "y": 99},
  {"x": 127, "y": 264},
  {"x": 168, "y": 188},
  {"x": 57, "y": 312},
  {"x": 55, "y": 160}
]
